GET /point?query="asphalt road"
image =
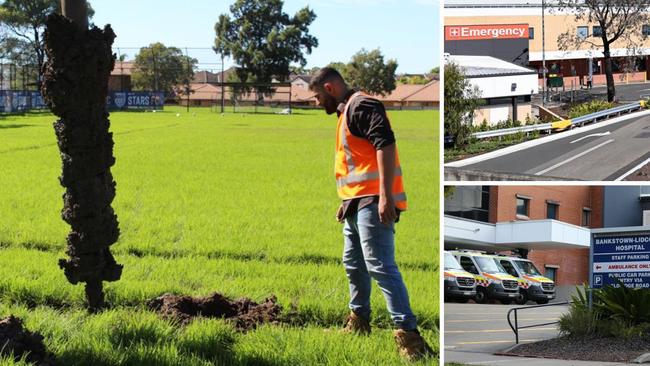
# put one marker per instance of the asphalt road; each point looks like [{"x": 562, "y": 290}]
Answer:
[
  {"x": 628, "y": 92},
  {"x": 603, "y": 153},
  {"x": 483, "y": 328},
  {"x": 624, "y": 92}
]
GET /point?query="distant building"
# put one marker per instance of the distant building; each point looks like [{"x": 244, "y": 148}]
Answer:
[
  {"x": 209, "y": 77},
  {"x": 407, "y": 96},
  {"x": 506, "y": 88},
  {"x": 120, "y": 78},
  {"x": 550, "y": 225},
  {"x": 511, "y": 30},
  {"x": 301, "y": 81},
  {"x": 403, "y": 97}
]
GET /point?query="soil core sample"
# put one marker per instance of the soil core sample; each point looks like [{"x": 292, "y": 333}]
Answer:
[{"x": 75, "y": 87}]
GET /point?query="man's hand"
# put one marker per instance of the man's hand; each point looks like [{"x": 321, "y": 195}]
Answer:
[
  {"x": 339, "y": 214},
  {"x": 387, "y": 214}
]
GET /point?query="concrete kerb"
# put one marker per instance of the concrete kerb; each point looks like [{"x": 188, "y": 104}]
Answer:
[
  {"x": 458, "y": 174},
  {"x": 543, "y": 140},
  {"x": 476, "y": 358}
]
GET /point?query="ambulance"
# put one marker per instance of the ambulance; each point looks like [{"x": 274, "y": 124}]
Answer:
[
  {"x": 492, "y": 280},
  {"x": 533, "y": 286},
  {"x": 460, "y": 285}
]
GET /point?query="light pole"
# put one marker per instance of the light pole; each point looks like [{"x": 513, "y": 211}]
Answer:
[{"x": 543, "y": 55}]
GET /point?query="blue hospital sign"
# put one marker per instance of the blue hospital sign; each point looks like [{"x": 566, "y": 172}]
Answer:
[{"x": 625, "y": 257}]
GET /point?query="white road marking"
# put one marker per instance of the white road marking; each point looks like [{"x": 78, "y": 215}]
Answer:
[
  {"x": 510, "y": 341},
  {"x": 632, "y": 171},
  {"x": 592, "y": 135},
  {"x": 492, "y": 320},
  {"x": 574, "y": 157},
  {"x": 496, "y": 330}
]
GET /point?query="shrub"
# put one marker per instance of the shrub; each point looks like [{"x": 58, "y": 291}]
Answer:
[
  {"x": 617, "y": 311},
  {"x": 589, "y": 107},
  {"x": 631, "y": 305},
  {"x": 578, "y": 323}
]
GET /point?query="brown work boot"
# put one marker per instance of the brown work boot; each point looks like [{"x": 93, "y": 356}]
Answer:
[
  {"x": 411, "y": 345},
  {"x": 356, "y": 324}
]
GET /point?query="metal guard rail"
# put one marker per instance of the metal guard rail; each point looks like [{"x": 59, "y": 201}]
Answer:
[
  {"x": 561, "y": 125},
  {"x": 512, "y": 130},
  {"x": 515, "y": 328}
]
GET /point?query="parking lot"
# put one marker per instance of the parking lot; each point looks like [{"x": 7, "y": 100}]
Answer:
[{"x": 484, "y": 328}]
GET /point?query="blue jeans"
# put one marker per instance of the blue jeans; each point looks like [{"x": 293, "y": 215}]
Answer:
[{"x": 369, "y": 252}]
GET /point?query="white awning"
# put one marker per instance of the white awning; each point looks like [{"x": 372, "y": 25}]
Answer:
[{"x": 533, "y": 234}]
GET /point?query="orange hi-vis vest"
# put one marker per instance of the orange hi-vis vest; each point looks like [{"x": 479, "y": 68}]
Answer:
[{"x": 356, "y": 167}]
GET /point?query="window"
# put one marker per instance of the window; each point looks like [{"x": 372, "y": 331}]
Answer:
[
  {"x": 550, "y": 273},
  {"x": 531, "y": 33},
  {"x": 509, "y": 268},
  {"x": 552, "y": 210},
  {"x": 522, "y": 205},
  {"x": 469, "y": 202},
  {"x": 597, "y": 31},
  {"x": 582, "y": 32},
  {"x": 468, "y": 265},
  {"x": 645, "y": 30},
  {"x": 586, "y": 216}
]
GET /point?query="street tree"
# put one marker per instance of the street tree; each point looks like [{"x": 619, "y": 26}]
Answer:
[
  {"x": 341, "y": 67},
  {"x": 161, "y": 68},
  {"x": 263, "y": 40},
  {"x": 224, "y": 32},
  {"x": 75, "y": 89},
  {"x": 369, "y": 72},
  {"x": 461, "y": 99},
  {"x": 25, "y": 22},
  {"x": 619, "y": 21},
  {"x": 413, "y": 79}
]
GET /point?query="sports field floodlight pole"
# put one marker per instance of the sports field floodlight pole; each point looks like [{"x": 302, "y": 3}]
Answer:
[
  {"x": 187, "y": 86},
  {"x": 223, "y": 97},
  {"x": 75, "y": 87}
]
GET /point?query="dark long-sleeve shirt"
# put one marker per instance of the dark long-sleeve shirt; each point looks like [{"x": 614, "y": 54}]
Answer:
[{"x": 366, "y": 119}]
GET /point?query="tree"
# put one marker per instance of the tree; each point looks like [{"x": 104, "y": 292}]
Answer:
[
  {"x": 461, "y": 99},
  {"x": 224, "y": 30},
  {"x": 25, "y": 20},
  {"x": 368, "y": 71},
  {"x": 263, "y": 40},
  {"x": 75, "y": 89},
  {"x": 413, "y": 79},
  {"x": 619, "y": 21},
  {"x": 162, "y": 68}
]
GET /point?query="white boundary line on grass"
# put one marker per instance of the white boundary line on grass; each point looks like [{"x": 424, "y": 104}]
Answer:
[{"x": 528, "y": 144}]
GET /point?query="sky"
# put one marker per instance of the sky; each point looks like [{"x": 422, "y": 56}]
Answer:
[{"x": 404, "y": 30}]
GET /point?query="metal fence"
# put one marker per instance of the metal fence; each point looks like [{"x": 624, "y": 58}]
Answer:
[
  {"x": 514, "y": 324},
  {"x": 561, "y": 125},
  {"x": 18, "y": 101}
]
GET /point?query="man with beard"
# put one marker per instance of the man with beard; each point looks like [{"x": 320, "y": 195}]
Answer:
[{"x": 369, "y": 182}]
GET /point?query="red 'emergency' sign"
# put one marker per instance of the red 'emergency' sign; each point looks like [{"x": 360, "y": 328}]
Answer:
[{"x": 488, "y": 31}]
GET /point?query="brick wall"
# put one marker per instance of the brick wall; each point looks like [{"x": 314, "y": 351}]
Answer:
[
  {"x": 572, "y": 264},
  {"x": 571, "y": 200}
]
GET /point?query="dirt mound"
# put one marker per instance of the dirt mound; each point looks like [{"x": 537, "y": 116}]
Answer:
[
  {"x": 244, "y": 312},
  {"x": 19, "y": 341}
]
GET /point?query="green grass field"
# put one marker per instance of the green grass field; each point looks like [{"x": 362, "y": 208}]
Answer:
[{"x": 242, "y": 204}]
